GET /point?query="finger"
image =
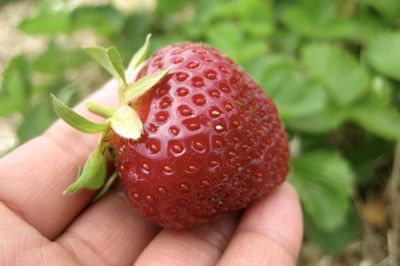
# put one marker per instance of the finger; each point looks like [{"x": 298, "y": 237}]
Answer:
[
  {"x": 269, "y": 233},
  {"x": 33, "y": 177},
  {"x": 21, "y": 244},
  {"x": 108, "y": 233},
  {"x": 12, "y": 229},
  {"x": 201, "y": 245}
]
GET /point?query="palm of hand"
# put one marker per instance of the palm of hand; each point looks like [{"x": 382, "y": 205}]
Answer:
[{"x": 39, "y": 225}]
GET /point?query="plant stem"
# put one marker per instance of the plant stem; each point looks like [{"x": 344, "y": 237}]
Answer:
[{"x": 99, "y": 109}]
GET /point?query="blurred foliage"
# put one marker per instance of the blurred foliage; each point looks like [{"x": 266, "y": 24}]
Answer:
[{"x": 333, "y": 68}]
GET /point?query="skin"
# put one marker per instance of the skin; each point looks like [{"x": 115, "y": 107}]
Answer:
[{"x": 40, "y": 226}]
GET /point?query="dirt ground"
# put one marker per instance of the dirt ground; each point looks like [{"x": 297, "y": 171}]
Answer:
[{"x": 378, "y": 240}]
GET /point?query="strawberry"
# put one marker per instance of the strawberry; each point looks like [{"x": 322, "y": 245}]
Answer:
[{"x": 210, "y": 142}]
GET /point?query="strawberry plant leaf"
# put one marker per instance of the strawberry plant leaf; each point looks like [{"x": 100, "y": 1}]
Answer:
[
  {"x": 228, "y": 37},
  {"x": 382, "y": 54},
  {"x": 324, "y": 181},
  {"x": 390, "y": 9},
  {"x": 93, "y": 174},
  {"x": 140, "y": 55},
  {"x": 75, "y": 120},
  {"x": 382, "y": 120},
  {"x": 57, "y": 58},
  {"x": 126, "y": 123},
  {"x": 344, "y": 79},
  {"x": 306, "y": 99},
  {"x": 36, "y": 119},
  {"x": 317, "y": 20},
  {"x": 47, "y": 23},
  {"x": 104, "y": 20},
  {"x": 293, "y": 96},
  {"x": 337, "y": 239},
  {"x": 141, "y": 86},
  {"x": 16, "y": 86},
  {"x": 116, "y": 61},
  {"x": 324, "y": 121}
]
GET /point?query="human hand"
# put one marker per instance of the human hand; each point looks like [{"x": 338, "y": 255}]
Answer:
[{"x": 38, "y": 225}]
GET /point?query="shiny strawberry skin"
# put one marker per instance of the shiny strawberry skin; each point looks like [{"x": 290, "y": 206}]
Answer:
[{"x": 212, "y": 140}]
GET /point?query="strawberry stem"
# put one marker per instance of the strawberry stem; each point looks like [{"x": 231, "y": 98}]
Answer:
[{"x": 99, "y": 109}]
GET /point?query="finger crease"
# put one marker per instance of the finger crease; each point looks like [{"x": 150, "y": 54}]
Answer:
[
  {"x": 274, "y": 237},
  {"x": 15, "y": 209},
  {"x": 215, "y": 240},
  {"x": 65, "y": 148},
  {"x": 74, "y": 251}
]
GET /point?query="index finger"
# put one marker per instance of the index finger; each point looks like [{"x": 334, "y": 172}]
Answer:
[{"x": 33, "y": 177}]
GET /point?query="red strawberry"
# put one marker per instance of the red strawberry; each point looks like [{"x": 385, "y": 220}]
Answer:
[
  {"x": 193, "y": 137},
  {"x": 212, "y": 140}
]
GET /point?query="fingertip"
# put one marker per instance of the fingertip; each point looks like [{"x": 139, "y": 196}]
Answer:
[
  {"x": 278, "y": 213},
  {"x": 284, "y": 197}
]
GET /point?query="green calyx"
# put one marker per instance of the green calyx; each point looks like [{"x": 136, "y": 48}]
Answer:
[{"x": 123, "y": 119}]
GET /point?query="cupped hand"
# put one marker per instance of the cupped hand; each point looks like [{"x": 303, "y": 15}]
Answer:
[{"x": 40, "y": 226}]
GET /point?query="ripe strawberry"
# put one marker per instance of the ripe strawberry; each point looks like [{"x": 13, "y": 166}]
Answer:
[
  {"x": 212, "y": 140},
  {"x": 193, "y": 137}
]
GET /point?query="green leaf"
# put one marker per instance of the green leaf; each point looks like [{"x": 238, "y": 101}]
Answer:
[
  {"x": 382, "y": 120},
  {"x": 50, "y": 61},
  {"x": 36, "y": 119},
  {"x": 136, "y": 27},
  {"x": 390, "y": 9},
  {"x": 93, "y": 174},
  {"x": 109, "y": 59},
  {"x": 383, "y": 54},
  {"x": 116, "y": 62},
  {"x": 105, "y": 20},
  {"x": 324, "y": 181},
  {"x": 306, "y": 99},
  {"x": 324, "y": 121},
  {"x": 16, "y": 86},
  {"x": 381, "y": 90},
  {"x": 227, "y": 37},
  {"x": 140, "y": 87},
  {"x": 340, "y": 73},
  {"x": 365, "y": 154},
  {"x": 317, "y": 20},
  {"x": 75, "y": 120},
  {"x": 293, "y": 96},
  {"x": 366, "y": 27},
  {"x": 126, "y": 123},
  {"x": 47, "y": 23},
  {"x": 54, "y": 60},
  {"x": 337, "y": 239},
  {"x": 274, "y": 73},
  {"x": 140, "y": 55},
  {"x": 230, "y": 38}
]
